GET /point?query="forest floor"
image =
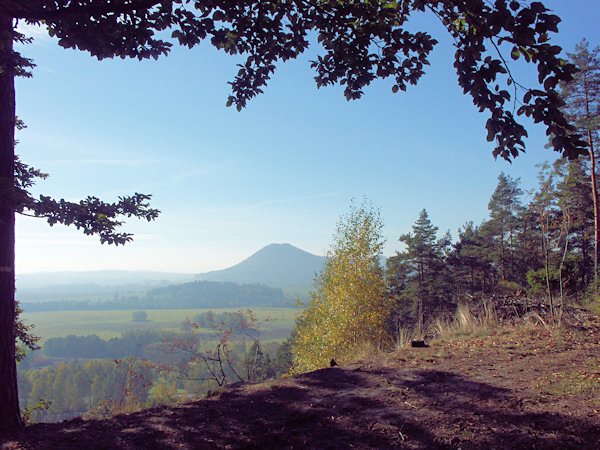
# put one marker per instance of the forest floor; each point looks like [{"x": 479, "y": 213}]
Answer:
[{"x": 505, "y": 387}]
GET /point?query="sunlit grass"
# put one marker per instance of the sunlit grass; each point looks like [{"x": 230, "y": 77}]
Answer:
[{"x": 464, "y": 324}]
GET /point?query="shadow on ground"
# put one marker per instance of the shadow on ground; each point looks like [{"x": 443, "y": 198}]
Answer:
[{"x": 340, "y": 407}]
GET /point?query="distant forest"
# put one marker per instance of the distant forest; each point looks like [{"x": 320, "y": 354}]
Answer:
[{"x": 194, "y": 295}]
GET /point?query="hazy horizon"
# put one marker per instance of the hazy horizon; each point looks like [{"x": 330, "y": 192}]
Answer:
[{"x": 115, "y": 269}]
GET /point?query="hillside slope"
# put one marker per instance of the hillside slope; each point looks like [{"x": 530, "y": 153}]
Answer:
[
  {"x": 513, "y": 388},
  {"x": 276, "y": 265}
]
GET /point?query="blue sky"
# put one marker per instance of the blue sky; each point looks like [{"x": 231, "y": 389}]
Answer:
[{"x": 282, "y": 170}]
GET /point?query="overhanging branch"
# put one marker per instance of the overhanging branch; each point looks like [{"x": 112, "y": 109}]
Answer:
[{"x": 93, "y": 8}]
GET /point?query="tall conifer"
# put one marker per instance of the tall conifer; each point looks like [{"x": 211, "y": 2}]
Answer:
[
  {"x": 502, "y": 227},
  {"x": 428, "y": 287},
  {"x": 582, "y": 105}
]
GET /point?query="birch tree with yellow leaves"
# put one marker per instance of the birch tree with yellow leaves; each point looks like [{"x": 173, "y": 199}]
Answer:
[{"x": 348, "y": 306}]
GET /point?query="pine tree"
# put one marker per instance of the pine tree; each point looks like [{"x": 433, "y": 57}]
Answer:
[
  {"x": 561, "y": 210},
  {"x": 546, "y": 212},
  {"x": 582, "y": 105},
  {"x": 422, "y": 268},
  {"x": 470, "y": 263},
  {"x": 503, "y": 225},
  {"x": 528, "y": 250},
  {"x": 575, "y": 196}
]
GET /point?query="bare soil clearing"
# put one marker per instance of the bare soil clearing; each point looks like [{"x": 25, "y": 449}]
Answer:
[{"x": 532, "y": 387}]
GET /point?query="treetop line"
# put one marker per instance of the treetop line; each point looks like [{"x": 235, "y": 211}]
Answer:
[{"x": 360, "y": 42}]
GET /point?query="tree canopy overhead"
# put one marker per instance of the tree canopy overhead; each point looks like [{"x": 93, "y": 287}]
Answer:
[{"x": 359, "y": 42}]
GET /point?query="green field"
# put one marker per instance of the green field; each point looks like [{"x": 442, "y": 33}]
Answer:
[{"x": 275, "y": 322}]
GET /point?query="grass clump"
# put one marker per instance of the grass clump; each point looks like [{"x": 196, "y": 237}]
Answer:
[{"x": 464, "y": 324}]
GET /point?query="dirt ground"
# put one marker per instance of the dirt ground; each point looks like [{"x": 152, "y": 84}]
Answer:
[{"x": 526, "y": 387}]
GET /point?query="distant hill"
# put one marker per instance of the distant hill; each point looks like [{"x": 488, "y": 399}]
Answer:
[
  {"x": 96, "y": 284},
  {"x": 276, "y": 265}
]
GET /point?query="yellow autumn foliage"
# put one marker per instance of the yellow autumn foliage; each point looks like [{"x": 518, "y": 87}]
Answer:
[{"x": 348, "y": 306}]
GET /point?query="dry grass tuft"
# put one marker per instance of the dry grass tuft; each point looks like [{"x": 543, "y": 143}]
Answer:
[
  {"x": 464, "y": 323},
  {"x": 404, "y": 338}
]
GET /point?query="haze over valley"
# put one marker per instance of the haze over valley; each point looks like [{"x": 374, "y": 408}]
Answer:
[{"x": 284, "y": 271}]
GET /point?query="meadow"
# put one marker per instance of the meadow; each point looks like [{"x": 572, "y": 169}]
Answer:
[{"x": 276, "y": 323}]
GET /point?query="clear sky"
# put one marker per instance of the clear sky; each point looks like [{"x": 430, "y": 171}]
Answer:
[{"x": 282, "y": 170}]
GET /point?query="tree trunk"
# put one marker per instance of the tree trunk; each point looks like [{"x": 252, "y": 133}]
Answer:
[
  {"x": 512, "y": 254},
  {"x": 595, "y": 199},
  {"x": 593, "y": 182},
  {"x": 420, "y": 302},
  {"x": 567, "y": 226},
  {"x": 10, "y": 417},
  {"x": 502, "y": 253},
  {"x": 545, "y": 248}
]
